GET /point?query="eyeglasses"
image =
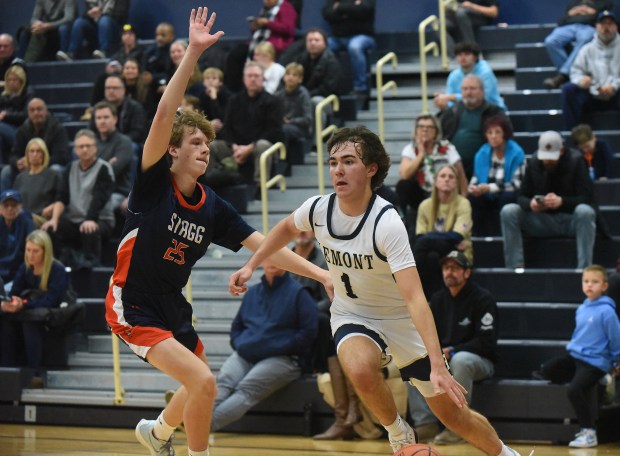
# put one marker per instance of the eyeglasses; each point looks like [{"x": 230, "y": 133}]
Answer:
[
  {"x": 84, "y": 146},
  {"x": 426, "y": 127}
]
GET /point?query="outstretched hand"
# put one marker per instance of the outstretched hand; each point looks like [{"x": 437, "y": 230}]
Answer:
[
  {"x": 200, "y": 29},
  {"x": 237, "y": 281}
]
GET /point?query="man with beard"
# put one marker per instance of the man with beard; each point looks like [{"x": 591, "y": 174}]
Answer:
[
  {"x": 465, "y": 315},
  {"x": 556, "y": 200},
  {"x": 463, "y": 123}
]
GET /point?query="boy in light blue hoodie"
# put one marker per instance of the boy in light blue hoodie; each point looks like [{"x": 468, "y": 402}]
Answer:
[{"x": 593, "y": 351}]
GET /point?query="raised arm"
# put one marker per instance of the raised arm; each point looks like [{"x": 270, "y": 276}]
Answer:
[{"x": 200, "y": 39}]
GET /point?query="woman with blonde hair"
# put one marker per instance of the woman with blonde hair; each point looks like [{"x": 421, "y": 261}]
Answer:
[
  {"x": 37, "y": 183},
  {"x": 13, "y": 107},
  {"x": 444, "y": 224},
  {"x": 40, "y": 282},
  {"x": 265, "y": 55}
]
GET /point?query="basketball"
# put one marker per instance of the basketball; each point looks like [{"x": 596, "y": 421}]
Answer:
[{"x": 417, "y": 449}]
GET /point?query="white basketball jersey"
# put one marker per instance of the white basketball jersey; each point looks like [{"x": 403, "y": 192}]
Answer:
[{"x": 362, "y": 253}]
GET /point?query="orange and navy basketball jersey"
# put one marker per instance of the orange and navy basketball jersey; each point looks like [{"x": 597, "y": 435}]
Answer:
[{"x": 165, "y": 233}]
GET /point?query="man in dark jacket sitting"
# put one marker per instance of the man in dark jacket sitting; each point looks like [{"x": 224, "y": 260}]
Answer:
[{"x": 272, "y": 334}]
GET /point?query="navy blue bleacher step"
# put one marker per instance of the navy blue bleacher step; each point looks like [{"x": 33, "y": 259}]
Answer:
[
  {"x": 73, "y": 127},
  {"x": 13, "y": 379},
  {"x": 523, "y": 100},
  {"x": 607, "y": 191},
  {"x": 540, "y": 120},
  {"x": 517, "y": 358},
  {"x": 532, "y": 78},
  {"x": 92, "y": 283},
  {"x": 536, "y": 320},
  {"x": 532, "y": 55},
  {"x": 492, "y": 37},
  {"x": 60, "y": 93},
  {"x": 604, "y": 120},
  {"x": 42, "y": 73},
  {"x": 546, "y": 252},
  {"x": 67, "y": 112},
  {"x": 532, "y": 285}
]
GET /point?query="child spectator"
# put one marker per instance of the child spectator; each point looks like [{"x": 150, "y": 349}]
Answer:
[
  {"x": 190, "y": 103},
  {"x": 214, "y": 97},
  {"x": 597, "y": 153},
  {"x": 297, "y": 104},
  {"x": 592, "y": 351}
]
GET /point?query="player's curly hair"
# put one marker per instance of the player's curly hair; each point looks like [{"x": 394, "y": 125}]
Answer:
[
  {"x": 368, "y": 146},
  {"x": 186, "y": 123}
]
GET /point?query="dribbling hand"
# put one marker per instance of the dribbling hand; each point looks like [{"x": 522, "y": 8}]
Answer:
[{"x": 200, "y": 29}]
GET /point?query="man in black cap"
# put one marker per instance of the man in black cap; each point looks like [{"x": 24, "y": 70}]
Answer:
[
  {"x": 465, "y": 315},
  {"x": 15, "y": 225}
]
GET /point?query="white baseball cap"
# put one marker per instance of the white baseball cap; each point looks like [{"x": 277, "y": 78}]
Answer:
[{"x": 549, "y": 146}]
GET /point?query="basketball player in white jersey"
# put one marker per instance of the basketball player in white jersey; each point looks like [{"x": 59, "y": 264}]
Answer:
[{"x": 377, "y": 293}]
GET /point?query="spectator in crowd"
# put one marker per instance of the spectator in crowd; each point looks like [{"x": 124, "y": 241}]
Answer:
[
  {"x": 275, "y": 23},
  {"x": 466, "y": 17},
  {"x": 466, "y": 318},
  {"x": 468, "y": 59},
  {"x": 353, "y": 27},
  {"x": 265, "y": 54},
  {"x": 177, "y": 51},
  {"x": 499, "y": 166},
  {"x": 321, "y": 68},
  {"x": 49, "y": 29},
  {"x": 556, "y": 199},
  {"x": 214, "y": 96},
  {"x": 596, "y": 151},
  {"x": 131, "y": 115},
  {"x": 40, "y": 124},
  {"x": 462, "y": 123},
  {"x": 137, "y": 88},
  {"x": 190, "y": 103},
  {"x": 271, "y": 335},
  {"x": 130, "y": 48},
  {"x": 420, "y": 161},
  {"x": 83, "y": 215},
  {"x": 115, "y": 148},
  {"x": 13, "y": 102},
  {"x": 575, "y": 28},
  {"x": 297, "y": 106},
  {"x": 595, "y": 74},
  {"x": 443, "y": 224},
  {"x": 45, "y": 281},
  {"x": 253, "y": 123},
  {"x": 593, "y": 351},
  {"x": 157, "y": 61},
  {"x": 38, "y": 184},
  {"x": 97, "y": 31},
  {"x": 8, "y": 55},
  {"x": 112, "y": 68},
  {"x": 15, "y": 224}
]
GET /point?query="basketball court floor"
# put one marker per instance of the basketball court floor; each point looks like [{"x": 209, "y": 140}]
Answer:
[{"x": 23, "y": 440}]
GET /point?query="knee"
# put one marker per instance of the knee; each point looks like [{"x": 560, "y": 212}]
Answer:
[
  {"x": 510, "y": 212},
  {"x": 203, "y": 385},
  {"x": 551, "y": 41},
  {"x": 364, "y": 379},
  {"x": 585, "y": 213},
  {"x": 459, "y": 364}
]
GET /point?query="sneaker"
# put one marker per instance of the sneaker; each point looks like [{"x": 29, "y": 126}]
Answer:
[
  {"x": 63, "y": 56},
  {"x": 586, "y": 438},
  {"x": 144, "y": 434},
  {"x": 98, "y": 54},
  {"x": 447, "y": 437},
  {"x": 408, "y": 438}
]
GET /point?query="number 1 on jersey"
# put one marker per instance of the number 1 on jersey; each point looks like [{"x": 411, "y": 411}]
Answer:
[{"x": 347, "y": 285}]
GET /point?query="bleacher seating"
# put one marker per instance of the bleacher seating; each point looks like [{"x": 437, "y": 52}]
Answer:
[{"x": 536, "y": 308}]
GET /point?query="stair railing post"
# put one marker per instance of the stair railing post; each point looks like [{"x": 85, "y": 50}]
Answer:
[
  {"x": 382, "y": 88},
  {"x": 267, "y": 184},
  {"x": 425, "y": 48}
]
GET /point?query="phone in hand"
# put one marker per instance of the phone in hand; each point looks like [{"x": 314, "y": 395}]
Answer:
[
  {"x": 539, "y": 199},
  {"x": 250, "y": 18}
]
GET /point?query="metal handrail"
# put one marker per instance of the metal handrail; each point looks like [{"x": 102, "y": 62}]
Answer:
[
  {"x": 425, "y": 49},
  {"x": 443, "y": 41},
  {"x": 321, "y": 133},
  {"x": 381, "y": 89},
  {"x": 267, "y": 184}
]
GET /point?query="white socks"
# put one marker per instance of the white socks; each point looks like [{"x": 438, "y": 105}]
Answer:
[
  {"x": 197, "y": 453},
  {"x": 397, "y": 428},
  {"x": 162, "y": 430}
]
